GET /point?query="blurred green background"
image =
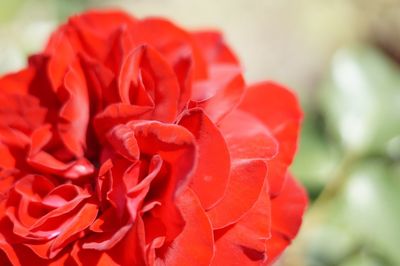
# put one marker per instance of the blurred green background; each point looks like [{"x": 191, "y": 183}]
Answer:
[{"x": 342, "y": 57}]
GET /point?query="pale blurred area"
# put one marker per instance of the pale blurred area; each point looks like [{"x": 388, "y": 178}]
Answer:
[
  {"x": 340, "y": 56},
  {"x": 287, "y": 40}
]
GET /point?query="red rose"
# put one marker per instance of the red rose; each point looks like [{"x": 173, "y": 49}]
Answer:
[{"x": 134, "y": 142}]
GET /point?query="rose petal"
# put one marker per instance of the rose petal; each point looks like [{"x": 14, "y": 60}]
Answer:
[
  {"x": 287, "y": 210},
  {"x": 74, "y": 114},
  {"x": 165, "y": 93},
  {"x": 184, "y": 73},
  {"x": 118, "y": 113},
  {"x": 214, "y": 48},
  {"x": 279, "y": 110},
  {"x": 26, "y": 256},
  {"x": 137, "y": 193},
  {"x": 104, "y": 22},
  {"x": 41, "y": 86},
  {"x": 247, "y": 137},
  {"x": 62, "y": 44},
  {"x": 7, "y": 160},
  {"x": 176, "y": 146},
  {"x": 246, "y": 180},
  {"x": 244, "y": 241},
  {"x": 13, "y": 148},
  {"x": 194, "y": 245},
  {"x": 221, "y": 93},
  {"x": 119, "y": 254},
  {"x": 101, "y": 83},
  {"x": 123, "y": 141},
  {"x": 44, "y": 161},
  {"x": 106, "y": 241},
  {"x": 212, "y": 173},
  {"x": 121, "y": 44},
  {"x": 71, "y": 229},
  {"x": 20, "y": 112},
  {"x": 8, "y": 250},
  {"x": 17, "y": 82},
  {"x": 171, "y": 41}
]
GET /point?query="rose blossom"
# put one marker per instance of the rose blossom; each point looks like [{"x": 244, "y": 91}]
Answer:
[{"x": 135, "y": 142}]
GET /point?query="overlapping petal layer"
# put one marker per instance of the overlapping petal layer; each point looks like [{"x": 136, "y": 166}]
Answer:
[{"x": 134, "y": 142}]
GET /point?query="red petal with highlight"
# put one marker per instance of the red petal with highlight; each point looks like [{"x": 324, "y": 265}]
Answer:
[
  {"x": 287, "y": 210},
  {"x": 245, "y": 240},
  {"x": 246, "y": 180},
  {"x": 191, "y": 247},
  {"x": 279, "y": 110},
  {"x": 212, "y": 173}
]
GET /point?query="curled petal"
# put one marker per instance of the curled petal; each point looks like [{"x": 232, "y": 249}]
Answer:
[
  {"x": 118, "y": 113},
  {"x": 106, "y": 241},
  {"x": 244, "y": 187},
  {"x": 137, "y": 193},
  {"x": 212, "y": 173},
  {"x": 74, "y": 114},
  {"x": 129, "y": 251},
  {"x": 176, "y": 146},
  {"x": 164, "y": 88},
  {"x": 123, "y": 140},
  {"x": 70, "y": 231}
]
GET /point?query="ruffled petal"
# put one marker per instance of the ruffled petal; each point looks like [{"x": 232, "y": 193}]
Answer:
[
  {"x": 118, "y": 113},
  {"x": 46, "y": 162},
  {"x": 80, "y": 221},
  {"x": 19, "y": 112},
  {"x": 176, "y": 146},
  {"x": 123, "y": 141},
  {"x": 129, "y": 251}
]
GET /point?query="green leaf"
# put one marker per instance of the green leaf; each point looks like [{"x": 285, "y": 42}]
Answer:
[
  {"x": 361, "y": 99},
  {"x": 371, "y": 208}
]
